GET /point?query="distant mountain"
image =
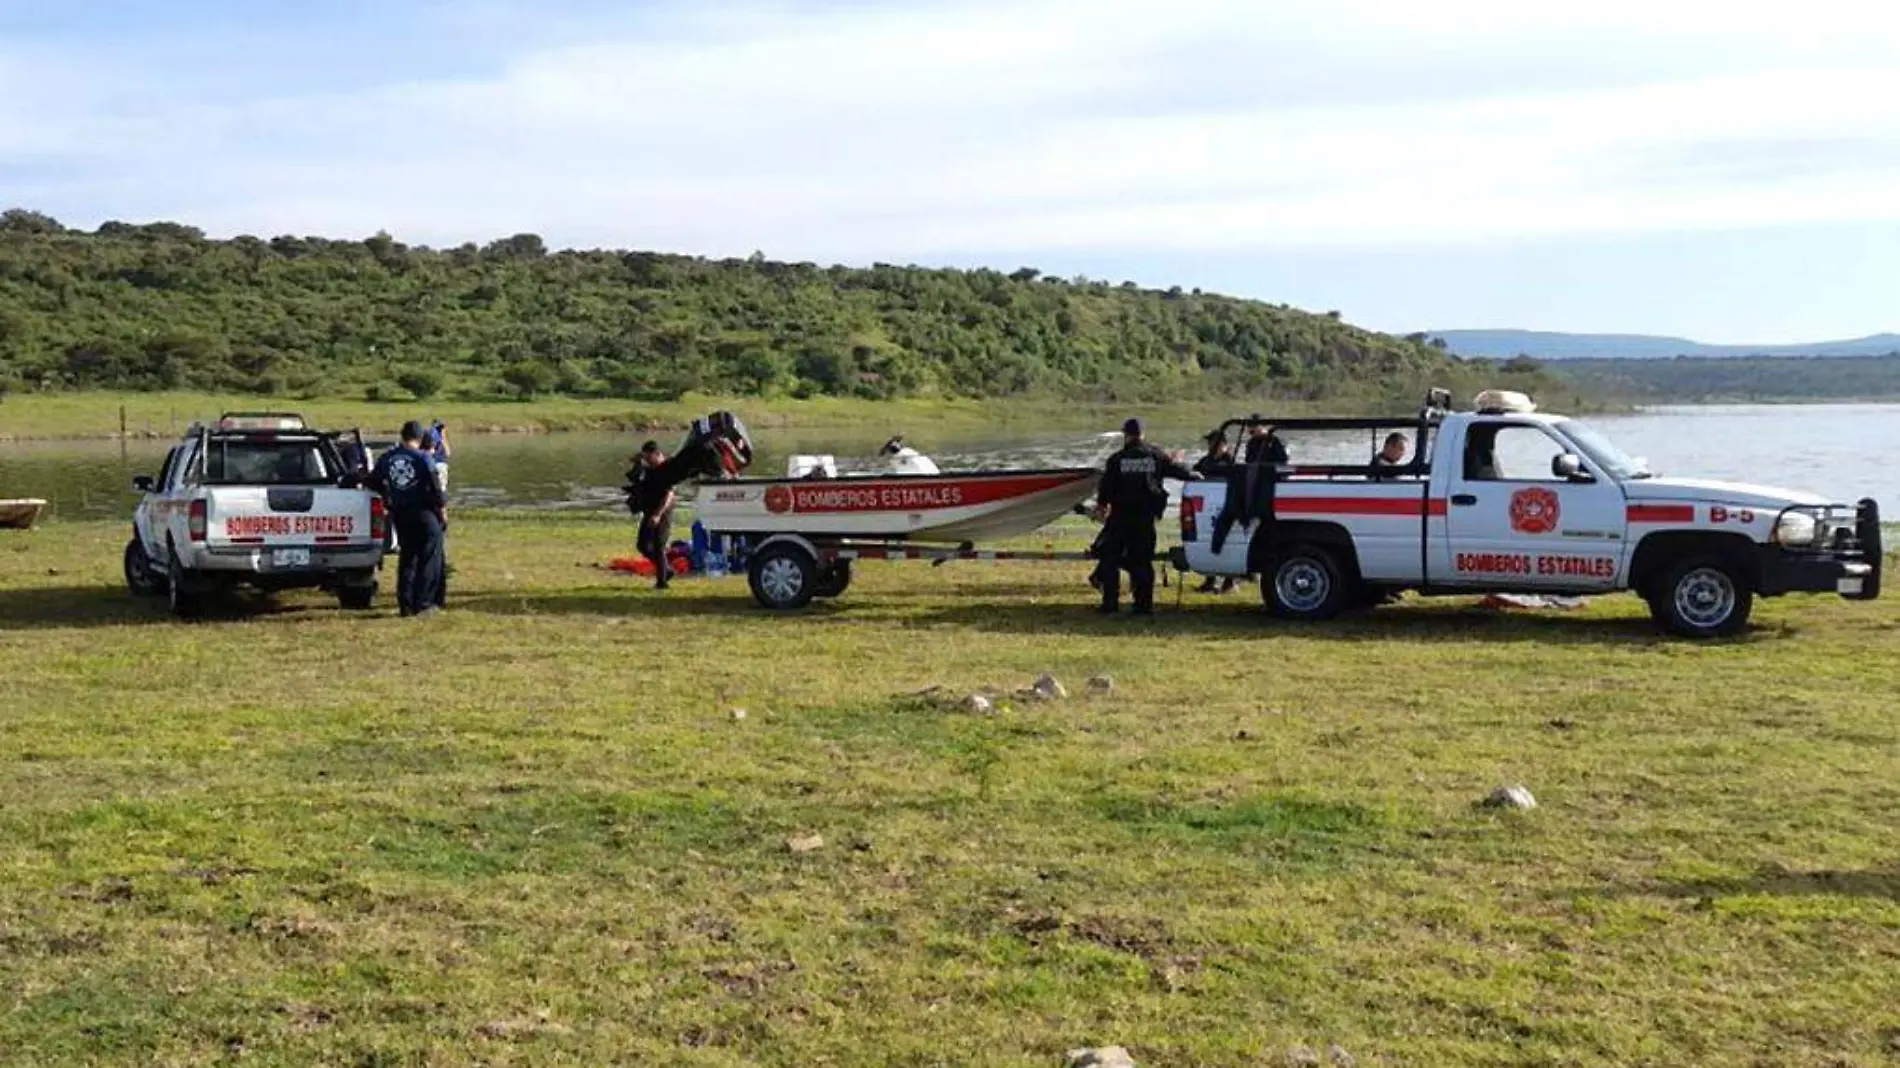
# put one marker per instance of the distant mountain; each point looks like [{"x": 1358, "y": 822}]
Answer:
[{"x": 1503, "y": 344}]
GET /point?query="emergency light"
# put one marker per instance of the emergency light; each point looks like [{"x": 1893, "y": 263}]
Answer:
[
  {"x": 260, "y": 421},
  {"x": 1499, "y": 401}
]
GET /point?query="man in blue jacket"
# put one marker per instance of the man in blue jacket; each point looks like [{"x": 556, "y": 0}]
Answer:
[{"x": 406, "y": 479}]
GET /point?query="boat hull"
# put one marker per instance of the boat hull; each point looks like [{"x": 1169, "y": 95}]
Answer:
[
  {"x": 967, "y": 506},
  {"x": 19, "y": 513}
]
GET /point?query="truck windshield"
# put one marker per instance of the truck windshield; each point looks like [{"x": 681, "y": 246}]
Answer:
[
  {"x": 260, "y": 462},
  {"x": 1602, "y": 451}
]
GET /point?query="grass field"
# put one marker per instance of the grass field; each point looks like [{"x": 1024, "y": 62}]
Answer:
[
  {"x": 40, "y": 416},
  {"x": 532, "y": 832}
]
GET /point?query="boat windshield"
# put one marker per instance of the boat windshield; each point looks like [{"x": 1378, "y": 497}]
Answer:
[{"x": 1603, "y": 452}]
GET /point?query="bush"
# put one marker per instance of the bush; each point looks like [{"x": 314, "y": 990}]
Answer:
[{"x": 421, "y": 384}]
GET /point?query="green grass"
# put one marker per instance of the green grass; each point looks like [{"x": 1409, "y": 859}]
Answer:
[
  {"x": 30, "y": 416},
  {"x": 532, "y": 832}
]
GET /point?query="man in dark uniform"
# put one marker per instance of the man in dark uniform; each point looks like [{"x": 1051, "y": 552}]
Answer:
[
  {"x": 1132, "y": 494},
  {"x": 654, "y": 498},
  {"x": 1264, "y": 450},
  {"x": 1218, "y": 461},
  {"x": 406, "y": 479}
]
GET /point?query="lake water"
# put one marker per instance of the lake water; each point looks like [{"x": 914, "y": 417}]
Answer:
[{"x": 1846, "y": 451}]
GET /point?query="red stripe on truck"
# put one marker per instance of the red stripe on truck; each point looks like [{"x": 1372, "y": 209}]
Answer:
[
  {"x": 1661, "y": 513},
  {"x": 1380, "y": 506}
]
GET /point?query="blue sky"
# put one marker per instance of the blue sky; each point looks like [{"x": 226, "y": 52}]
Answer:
[{"x": 1726, "y": 171}]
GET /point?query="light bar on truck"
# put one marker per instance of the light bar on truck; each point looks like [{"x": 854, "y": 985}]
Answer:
[
  {"x": 260, "y": 421},
  {"x": 1497, "y": 401}
]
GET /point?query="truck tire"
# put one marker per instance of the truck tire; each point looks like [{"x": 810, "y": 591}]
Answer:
[
  {"x": 356, "y": 598},
  {"x": 783, "y": 577},
  {"x": 833, "y": 580},
  {"x": 184, "y": 601},
  {"x": 139, "y": 576},
  {"x": 1703, "y": 597},
  {"x": 1304, "y": 582}
]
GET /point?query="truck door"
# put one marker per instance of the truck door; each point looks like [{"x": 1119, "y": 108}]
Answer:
[
  {"x": 1512, "y": 521},
  {"x": 158, "y": 504}
]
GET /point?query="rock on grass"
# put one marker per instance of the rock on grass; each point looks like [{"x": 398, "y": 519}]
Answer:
[
  {"x": 1515, "y": 796},
  {"x": 1105, "y": 1057}
]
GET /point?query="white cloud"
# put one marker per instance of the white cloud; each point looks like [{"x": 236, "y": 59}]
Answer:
[{"x": 960, "y": 127}]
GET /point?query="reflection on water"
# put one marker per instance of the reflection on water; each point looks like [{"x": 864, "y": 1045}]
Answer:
[{"x": 1838, "y": 450}]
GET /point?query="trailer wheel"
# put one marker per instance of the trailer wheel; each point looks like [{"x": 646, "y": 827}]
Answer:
[
  {"x": 1703, "y": 597},
  {"x": 783, "y": 577},
  {"x": 1304, "y": 582},
  {"x": 833, "y": 580}
]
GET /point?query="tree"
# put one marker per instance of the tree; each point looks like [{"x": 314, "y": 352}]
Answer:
[
  {"x": 529, "y": 378},
  {"x": 420, "y": 384},
  {"x": 22, "y": 221}
]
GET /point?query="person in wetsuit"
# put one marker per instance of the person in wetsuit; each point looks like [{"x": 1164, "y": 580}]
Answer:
[
  {"x": 650, "y": 496},
  {"x": 1215, "y": 464},
  {"x": 1264, "y": 450},
  {"x": 1133, "y": 497}
]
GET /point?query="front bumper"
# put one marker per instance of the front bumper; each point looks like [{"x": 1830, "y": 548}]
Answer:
[{"x": 1853, "y": 573}]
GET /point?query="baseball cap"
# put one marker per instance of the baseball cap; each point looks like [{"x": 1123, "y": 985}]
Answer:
[{"x": 411, "y": 430}]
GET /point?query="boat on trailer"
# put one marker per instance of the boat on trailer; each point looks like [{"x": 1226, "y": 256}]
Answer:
[
  {"x": 953, "y": 506},
  {"x": 803, "y": 531}
]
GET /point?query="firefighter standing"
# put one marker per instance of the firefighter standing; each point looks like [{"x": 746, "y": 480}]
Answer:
[
  {"x": 406, "y": 479},
  {"x": 1132, "y": 495}
]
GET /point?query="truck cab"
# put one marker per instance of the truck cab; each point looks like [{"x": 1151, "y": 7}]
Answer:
[
  {"x": 259, "y": 500},
  {"x": 1506, "y": 499}
]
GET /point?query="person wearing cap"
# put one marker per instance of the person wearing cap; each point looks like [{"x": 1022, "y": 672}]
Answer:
[
  {"x": 436, "y": 444},
  {"x": 1215, "y": 464},
  {"x": 406, "y": 479},
  {"x": 1131, "y": 498},
  {"x": 1263, "y": 452}
]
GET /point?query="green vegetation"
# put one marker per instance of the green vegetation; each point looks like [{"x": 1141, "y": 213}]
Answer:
[
  {"x": 96, "y": 414},
  {"x": 1698, "y": 379},
  {"x": 532, "y": 832},
  {"x": 160, "y": 307}
]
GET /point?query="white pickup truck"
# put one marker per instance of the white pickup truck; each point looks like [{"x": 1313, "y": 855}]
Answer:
[
  {"x": 255, "y": 499},
  {"x": 1505, "y": 499}
]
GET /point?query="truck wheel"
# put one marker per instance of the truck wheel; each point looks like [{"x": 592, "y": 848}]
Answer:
[
  {"x": 1703, "y": 597},
  {"x": 139, "y": 577},
  {"x": 1304, "y": 582},
  {"x": 356, "y": 598},
  {"x": 833, "y": 580},
  {"x": 783, "y": 577},
  {"x": 184, "y": 601}
]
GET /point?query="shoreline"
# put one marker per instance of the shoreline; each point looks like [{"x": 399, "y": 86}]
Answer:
[{"x": 93, "y": 417}]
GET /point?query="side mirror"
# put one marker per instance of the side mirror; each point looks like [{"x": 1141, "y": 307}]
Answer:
[
  {"x": 1569, "y": 466},
  {"x": 142, "y": 483}
]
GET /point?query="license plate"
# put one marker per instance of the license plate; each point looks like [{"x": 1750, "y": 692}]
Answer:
[
  {"x": 1848, "y": 587},
  {"x": 290, "y": 558}
]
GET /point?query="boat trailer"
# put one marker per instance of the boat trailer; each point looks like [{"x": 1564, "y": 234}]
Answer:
[{"x": 786, "y": 572}]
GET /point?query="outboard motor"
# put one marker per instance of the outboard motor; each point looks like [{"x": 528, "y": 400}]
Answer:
[{"x": 717, "y": 446}]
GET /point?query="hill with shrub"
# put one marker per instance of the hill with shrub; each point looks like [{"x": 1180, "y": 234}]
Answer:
[{"x": 161, "y": 306}]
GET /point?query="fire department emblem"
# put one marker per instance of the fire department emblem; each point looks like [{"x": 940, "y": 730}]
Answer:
[
  {"x": 1534, "y": 511},
  {"x": 778, "y": 500}
]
